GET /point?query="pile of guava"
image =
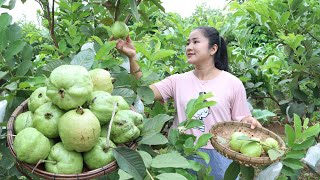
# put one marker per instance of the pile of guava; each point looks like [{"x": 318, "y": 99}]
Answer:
[
  {"x": 251, "y": 146},
  {"x": 67, "y": 119}
]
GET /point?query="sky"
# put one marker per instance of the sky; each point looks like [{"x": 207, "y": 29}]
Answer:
[{"x": 183, "y": 7}]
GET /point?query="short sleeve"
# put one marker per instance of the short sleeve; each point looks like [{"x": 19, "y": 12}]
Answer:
[
  {"x": 239, "y": 106},
  {"x": 166, "y": 87}
]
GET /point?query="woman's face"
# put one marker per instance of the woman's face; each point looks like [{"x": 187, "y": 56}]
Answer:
[{"x": 197, "y": 49}]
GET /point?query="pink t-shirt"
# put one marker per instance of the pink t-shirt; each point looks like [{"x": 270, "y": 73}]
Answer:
[{"x": 228, "y": 91}]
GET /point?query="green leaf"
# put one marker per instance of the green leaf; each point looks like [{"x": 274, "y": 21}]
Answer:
[
  {"x": 170, "y": 176},
  {"x": 262, "y": 114},
  {"x": 2, "y": 2},
  {"x": 146, "y": 94},
  {"x": 172, "y": 159},
  {"x": 285, "y": 17},
  {"x": 130, "y": 161},
  {"x": 205, "y": 156},
  {"x": 173, "y": 136},
  {"x": 203, "y": 140},
  {"x": 14, "y": 32},
  {"x": 293, "y": 163},
  {"x": 155, "y": 2},
  {"x": 304, "y": 145},
  {"x": 232, "y": 171},
  {"x": 162, "y": 54},
  {"x": 84, "y": 58},
  {"x": 5, "y": 20},
  {"x": 288, "y": 171},
  {"x": 193, "y": 123},
  {"x": 14, "y": 49},
  {"x": 275, "y": 154},
  {"x": 98, "y": 40},
  {"x": 247, "y": 172},
  {"x": 127, "y": 94},
  {"x": 147, "y": 159},
  {"x": 3, "y": 39},
  {"x": 195, "y": 105},
  {"x": 296, "y": 154},
  {"x": 290, "y": 135},
  {"x": 123, "y": 175},
  {"x": 52, "y": 65},
  {"x": 3, "y": 73},
  {"x": 62, "y": 45},
  {"x": 134, "y": 9},
  {"x": 297, "y": 126},
  {"x": 140, "y": 48},
  {"x": 311, "y": 131},
  {"x": 155, "y": 124},
  {"x": 154, "y": 139},
  {"x": 105, "y": 50}
]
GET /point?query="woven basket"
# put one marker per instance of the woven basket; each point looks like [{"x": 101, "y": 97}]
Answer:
[
  {"x": 26, "y": 168},
  {"x": 221, "y": 136}
]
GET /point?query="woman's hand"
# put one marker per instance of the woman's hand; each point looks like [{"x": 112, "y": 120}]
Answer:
[
  {"x": 126, "y": 47},
  {"x": 251, "y": 120}
]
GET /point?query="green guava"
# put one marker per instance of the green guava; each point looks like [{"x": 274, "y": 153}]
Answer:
[
  {"x": 126, "y": 126},
  {"x": 101, "y": 104},
  {"x": 79, "y": 130},
  {"x": 237, "y": 134},
  {"x": 31, "y": 146},
  {"x": 252, "y": 149},
  {"x": 101, "y": 80},
  {"x": 235, "y": 143},
  {"x": 62, "y": 161},
  {"x": 270, "y": 143},
  {"x": 46, "y": 119},
  {"x": 99, "y": 155},
  {"x": 22, "y": 121},
  {"x": 104, "y": 130},
  {"x": 37, "y": 98},
  {"x": 119, "y": 30},
  {"x": 69, "y": 86}
]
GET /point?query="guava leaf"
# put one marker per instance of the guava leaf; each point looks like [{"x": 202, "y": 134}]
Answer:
[
  {"x": 130, "y": 161},
  {"x": 154, "y": 139},
  {"x": 147, "y": 159},
  {"x": 172, "y": 159},
  {"x": 155, "y": 124},
  {"x": 195, "y": 105},
  {"x": 170, "y": 176},
  {"x": 274, "y": 154},
  {"x": 84, "y": 58},
  {"x": 232, "y": 171}
]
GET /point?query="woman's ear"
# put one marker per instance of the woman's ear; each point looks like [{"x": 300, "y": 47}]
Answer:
[{"x": 214, "y": 49}]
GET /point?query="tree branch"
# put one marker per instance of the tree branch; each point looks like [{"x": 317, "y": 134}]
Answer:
[{"x": 52, "y": 27}]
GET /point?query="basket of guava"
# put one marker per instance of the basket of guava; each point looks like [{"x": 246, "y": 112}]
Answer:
[
  {"x": 62, "y": 131},
  {"x": 250, "y": 147}
]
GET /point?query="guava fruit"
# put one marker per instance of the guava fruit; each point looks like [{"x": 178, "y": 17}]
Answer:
[
  {"x": 79, "y": 130},
  {"x": 101, "y": 105},
  {"x": 237, "y": 134},
  {"x": 270, "y": 143},
  {"x": 69, "y": 86},
  {"x": 62, "y": 161},
  {"x": 99, "y": 155},
  {"x": 101, "y": 80},
  {"x": 37, "y": 98},
  {"x": 23, "y": 121},
  {"x": 119, "y": 30},
  {"x": 31, "y": 146},
  {"x": 126, "y": 126},
  {"x": 252, "y": 149},
  {"x": 104, "y": 130},
  {"x": 46, "y": 119}
]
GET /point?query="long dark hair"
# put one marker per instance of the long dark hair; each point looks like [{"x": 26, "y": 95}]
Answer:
[{"x": 221, "y": 56}]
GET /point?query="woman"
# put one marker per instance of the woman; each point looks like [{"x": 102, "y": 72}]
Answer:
[{"x": 207, "y": 52}]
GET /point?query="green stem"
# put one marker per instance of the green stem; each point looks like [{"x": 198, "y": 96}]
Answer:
[{"x": 149, "y": 174}]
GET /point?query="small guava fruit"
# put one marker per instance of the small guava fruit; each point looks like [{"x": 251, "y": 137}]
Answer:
[
  {"x": 31, "y": 146},
  {"x": 37, "y": 98},
  {"x": 270, "y": 143},
  {"x": 69, "y": 86},
  {"x": 23, "y": 121},
  {"x": 62, "y": 161},
  {"x": 46, "y": 119},
  {"x": 252, "y": 149},
  {"x": 79, "y": 129},
  {"x": 122, "y": 103},
  {"x": 99, "y": 155},
  {"x": 101, "y": 80},
  {"x": 119, "y": 30},
  {"x": 236, "y": 144}
]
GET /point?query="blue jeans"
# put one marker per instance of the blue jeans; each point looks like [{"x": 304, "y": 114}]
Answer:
[{"x": 218, "y": 163}]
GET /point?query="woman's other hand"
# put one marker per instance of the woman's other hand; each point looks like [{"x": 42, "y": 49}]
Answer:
[{"x": 251, "y": 120}]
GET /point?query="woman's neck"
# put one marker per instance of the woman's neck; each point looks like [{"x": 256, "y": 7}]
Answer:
[{"x": 206, "y": 72}]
